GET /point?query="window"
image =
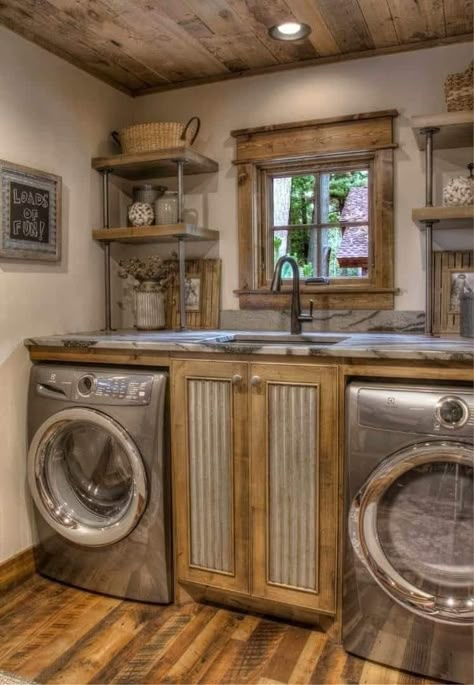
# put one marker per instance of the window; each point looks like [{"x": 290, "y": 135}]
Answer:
[
  {"x": 321, "y": 217},
  {"x": 321, "y": 191}
]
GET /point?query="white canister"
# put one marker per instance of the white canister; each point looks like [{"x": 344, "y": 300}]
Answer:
[
  {"x": 149, "y": 307},
  {"x": 166, "y": 208}
]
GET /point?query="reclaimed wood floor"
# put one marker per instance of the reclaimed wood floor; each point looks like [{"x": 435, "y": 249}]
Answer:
[{"x": 55, "y": 634}]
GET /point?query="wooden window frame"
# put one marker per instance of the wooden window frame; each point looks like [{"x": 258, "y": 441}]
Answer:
[{"x": 357, "y": 138}]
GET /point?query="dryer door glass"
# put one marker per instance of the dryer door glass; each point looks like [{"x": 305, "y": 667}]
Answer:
[
  {"x": 412, "y": 524},
  {"x": 87, "y": 477}
]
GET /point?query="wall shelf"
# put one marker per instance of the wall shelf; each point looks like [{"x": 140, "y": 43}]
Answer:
[
  {"x": 163, "y": 163},
  {"x": 155, "y": 234},
  {"x": 445, "y": 217},
  {"x": 158, "y": 164},
  {"x": 455, "y": 129}
]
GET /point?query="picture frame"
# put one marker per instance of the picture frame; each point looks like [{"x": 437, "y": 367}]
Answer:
[
  {"x": 30, "y": 213},
  {"x": 457, "y": 280},
  {"x": 192, "y": 295}
]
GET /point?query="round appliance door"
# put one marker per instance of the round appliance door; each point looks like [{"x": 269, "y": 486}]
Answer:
[
  {"x": 411, "y": 525},
  {"x": 87, "y": 477}
]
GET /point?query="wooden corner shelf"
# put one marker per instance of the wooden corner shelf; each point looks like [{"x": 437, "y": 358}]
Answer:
[
  {"x": 155, "y": 234},
  {"x": 455, "y": 129},
  {"x": 158, "y": 164},
  {"x": 446, "y": 217}
]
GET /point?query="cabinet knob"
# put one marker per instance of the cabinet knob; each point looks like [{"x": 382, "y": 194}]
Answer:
[
  {"x": 255, "y": 381},
  {"x": 236, "y": 379}
]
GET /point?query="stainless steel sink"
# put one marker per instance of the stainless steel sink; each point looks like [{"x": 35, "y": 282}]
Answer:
[{"x": 271, "y": 338}]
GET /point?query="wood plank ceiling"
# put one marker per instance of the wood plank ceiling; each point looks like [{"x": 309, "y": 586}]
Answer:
[{"x": 143, "y": 46}]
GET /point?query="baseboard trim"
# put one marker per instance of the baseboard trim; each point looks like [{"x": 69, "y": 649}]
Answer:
[{"x": 15, "y": 570}]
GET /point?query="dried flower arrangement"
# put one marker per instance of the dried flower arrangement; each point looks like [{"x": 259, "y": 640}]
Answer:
[{"x": 161, "y": 272}]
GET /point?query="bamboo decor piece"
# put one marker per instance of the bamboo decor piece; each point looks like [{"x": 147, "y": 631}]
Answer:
[{"x": 208, "y": 273}]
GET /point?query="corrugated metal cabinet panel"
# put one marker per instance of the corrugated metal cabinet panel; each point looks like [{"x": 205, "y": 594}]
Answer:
[
  {"x": 210, "y": 466},
  {"x": 294, "y": 484}
]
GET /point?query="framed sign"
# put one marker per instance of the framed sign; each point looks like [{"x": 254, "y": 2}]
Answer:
[{"x": 30, "y": 213}]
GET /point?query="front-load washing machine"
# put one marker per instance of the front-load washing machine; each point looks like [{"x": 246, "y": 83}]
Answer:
[
  {"x": 409, "y": 558},
  {"x": 98, "y": 471}
]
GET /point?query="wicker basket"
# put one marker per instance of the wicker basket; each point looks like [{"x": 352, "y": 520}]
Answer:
[
  {"x": 458, "y": 90},
  {"x": 156, "y": 136}
]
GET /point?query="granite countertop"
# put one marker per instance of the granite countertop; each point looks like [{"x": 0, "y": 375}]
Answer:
[{"x": 360, "y": 345}]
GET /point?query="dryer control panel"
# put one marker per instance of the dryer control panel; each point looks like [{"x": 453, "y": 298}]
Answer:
[{"x": 418, "y": 409}]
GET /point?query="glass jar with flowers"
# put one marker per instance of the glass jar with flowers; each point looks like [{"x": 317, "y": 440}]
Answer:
[{"x": 152, "y": 276}]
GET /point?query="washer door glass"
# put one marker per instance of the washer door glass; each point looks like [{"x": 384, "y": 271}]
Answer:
[
  {"x": 87, "y": 477},
  {"x": 412, "y": 525}
]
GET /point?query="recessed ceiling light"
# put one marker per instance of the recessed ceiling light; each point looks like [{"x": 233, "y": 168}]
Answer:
[{"x": 290, "y": 30}]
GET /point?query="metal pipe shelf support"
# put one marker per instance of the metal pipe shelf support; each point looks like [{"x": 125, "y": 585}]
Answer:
[
  {"x": 181, "y": 249},
  {"x": 107, "y": 258},
  {"x": 428, "y": 133}
]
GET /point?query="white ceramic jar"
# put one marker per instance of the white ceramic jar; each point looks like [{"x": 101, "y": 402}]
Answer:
[{"x": 166, "y": 208}]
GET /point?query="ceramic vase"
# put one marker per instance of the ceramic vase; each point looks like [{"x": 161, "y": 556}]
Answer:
[{"x": 149, "y": 306}]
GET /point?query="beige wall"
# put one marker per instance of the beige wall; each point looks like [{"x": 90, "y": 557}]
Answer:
[
  {"x": 52, "y": 117},
  {"x": 411, "y": 82}
]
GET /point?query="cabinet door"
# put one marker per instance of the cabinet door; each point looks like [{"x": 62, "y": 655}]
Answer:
[
  {"x": 294, "y": 484},
  {"x": 210, "y": 467}
]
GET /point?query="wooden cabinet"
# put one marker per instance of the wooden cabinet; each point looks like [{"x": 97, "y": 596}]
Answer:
[
  {"x": 293, "y": 415},
  {"x": 255, "y": 477},
  {"x": 210, "y": 466}
]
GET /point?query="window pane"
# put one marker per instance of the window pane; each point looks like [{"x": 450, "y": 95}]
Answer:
[
  {"x": 330, "y": 252},
  {"x": 294, "y": 200},
  {"x": 344, "y": 196},
  {"x": 280, "y": 245},
  {"x": 341, "y": 252}
]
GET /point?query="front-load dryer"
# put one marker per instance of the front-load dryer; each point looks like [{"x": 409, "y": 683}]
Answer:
[
  {"x": 409, "y": 559},
  {"x": 98, "y": 471}
]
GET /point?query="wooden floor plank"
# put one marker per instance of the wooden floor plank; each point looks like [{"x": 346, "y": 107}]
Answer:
[
  {"x": 308, "y": 658},
  {"x": 133, "y": 653},
  {"x": 58, "y": 634},
  {"x": 55, "y": 634},
  {"x": 176, "y": 649},
  {"x": 281, "y": 665},
  {"x": 150, "y": 653},
  {"x": 250, "y": 658},
  {"x": 190, "y": 667},
  {"x": 28, "y": 614},
  {"x": 98, "y": 646},
  {"x": 330, "y": 665}
]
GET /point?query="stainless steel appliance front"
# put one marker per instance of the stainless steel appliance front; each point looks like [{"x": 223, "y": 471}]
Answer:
[
  {"x": 409, "y": 553},
  {"x": 98, "y": 472}
]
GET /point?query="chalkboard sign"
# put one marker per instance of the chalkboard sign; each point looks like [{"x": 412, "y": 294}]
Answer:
[{"x": 30, "y": 210}]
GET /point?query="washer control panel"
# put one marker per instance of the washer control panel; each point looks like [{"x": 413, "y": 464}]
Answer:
[
  {"x": 129, "y": 389},
  {"x": 418, "y": 409}
]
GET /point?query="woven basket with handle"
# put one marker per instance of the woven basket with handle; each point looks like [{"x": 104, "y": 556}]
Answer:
[
  {"x": 458, "y": 90},
  {"x": 156, "y": 136}
]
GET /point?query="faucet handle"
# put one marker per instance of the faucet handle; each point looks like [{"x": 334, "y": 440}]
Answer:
[{"x": 311, "y": 304}]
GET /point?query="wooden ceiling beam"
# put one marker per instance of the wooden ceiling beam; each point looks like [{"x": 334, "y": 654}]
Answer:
[
  {"x": 144, "y": 46},
  {"x": 41, "y": 23},
  {"x": 260, "y": 15},
  {"x": 363, "y": 54},
  {"x": 165, "y": 41},
  {"x": 379, "y": 22},
  {"x": 458, "y": 16},
  {"x": 347, "y": 24},
  {"x": 418, "y": 20},
  {"x": 321, "y": 37}
]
